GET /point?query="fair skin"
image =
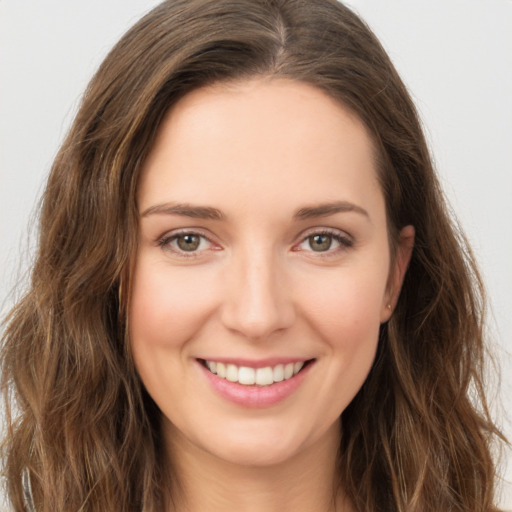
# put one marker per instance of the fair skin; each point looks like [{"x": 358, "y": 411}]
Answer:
[{"x": 263, "y": 244}]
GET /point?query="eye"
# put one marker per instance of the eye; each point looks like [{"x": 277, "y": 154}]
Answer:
[
  {"x": 185, "y": 243},
  {"x": 325, "y": 242},
  {"x": 320, "y": 243},
  {"x": 188, "y": 242}
]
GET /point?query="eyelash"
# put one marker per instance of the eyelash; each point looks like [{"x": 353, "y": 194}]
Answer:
[
  {"x": 165, "y": 243},
  {"x": 344, "y": 241}
]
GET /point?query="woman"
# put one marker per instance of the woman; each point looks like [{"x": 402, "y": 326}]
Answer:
[{"x": 248, "y": 292}]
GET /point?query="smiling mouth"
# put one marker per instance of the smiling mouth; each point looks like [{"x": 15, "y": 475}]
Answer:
[{"x": 247, "y": 376}]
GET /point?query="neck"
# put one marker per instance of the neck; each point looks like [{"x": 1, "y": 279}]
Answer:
[{"x": 305, "y": 482}]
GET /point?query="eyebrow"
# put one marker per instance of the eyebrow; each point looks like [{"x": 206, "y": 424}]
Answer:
[
  {"x": 186, "y": 210},
  {"x": 325, "y": 209},
  {"x": 210, "y": 213}
]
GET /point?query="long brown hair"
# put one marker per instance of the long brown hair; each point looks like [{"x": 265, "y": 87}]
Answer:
[{"x": 417, "y": 437}]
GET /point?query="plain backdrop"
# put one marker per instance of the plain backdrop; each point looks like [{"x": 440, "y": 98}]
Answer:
[{"x": 454, "y": 55}]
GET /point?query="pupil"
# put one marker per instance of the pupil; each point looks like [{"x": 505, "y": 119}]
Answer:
[
  {"x": 188, "y": 242},
  {"x": 320, "y": 242}
]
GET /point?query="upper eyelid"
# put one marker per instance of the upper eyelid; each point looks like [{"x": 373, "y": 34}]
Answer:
[
  {"x": 324, "y": 230},
  {"x": 185, "y": 231},
  {"x": 345, "y": 240},
  {"x": 164, "y": 241}
]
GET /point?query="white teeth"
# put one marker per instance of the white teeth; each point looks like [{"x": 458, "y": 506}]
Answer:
[
  {"x": 221, "y": 370},
  {"x": 278, "y": 374},
  {"x": 232, "y": 373},
  {"x": 264, "y": 376},
  {"x": 246, "y": 376},
  {"x": 255, "y": 376},
  {"x": 297, "y": 367}
]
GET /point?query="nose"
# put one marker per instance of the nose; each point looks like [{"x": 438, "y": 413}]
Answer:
[{"x": 258, "y": 302}]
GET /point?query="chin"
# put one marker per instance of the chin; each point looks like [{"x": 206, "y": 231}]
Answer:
[
  {"x": 256, "y": 453},
  {"x": 264, "y": 444}
]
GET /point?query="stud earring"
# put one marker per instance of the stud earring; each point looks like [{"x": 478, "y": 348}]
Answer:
[{"x": 389, "y": 306}]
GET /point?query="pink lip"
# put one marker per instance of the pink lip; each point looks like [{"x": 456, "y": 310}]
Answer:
[{"x": 255, "y": 396}]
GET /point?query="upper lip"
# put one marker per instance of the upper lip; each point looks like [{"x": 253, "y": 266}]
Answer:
[{"x": 256, "y": 363}]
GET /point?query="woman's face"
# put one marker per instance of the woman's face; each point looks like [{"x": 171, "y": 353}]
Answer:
[{"x": 263, "y": 255}]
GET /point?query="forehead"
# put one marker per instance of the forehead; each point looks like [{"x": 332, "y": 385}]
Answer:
[{"x": 277, "y": 141}]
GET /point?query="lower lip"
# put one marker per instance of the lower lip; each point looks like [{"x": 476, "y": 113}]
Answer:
[{"x": 255, "y": 396}]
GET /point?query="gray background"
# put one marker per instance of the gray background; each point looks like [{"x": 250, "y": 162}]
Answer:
[{"x": 455, "y": 56}]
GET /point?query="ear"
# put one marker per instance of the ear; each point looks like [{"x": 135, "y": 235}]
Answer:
[{"x": 397, "y": 271}]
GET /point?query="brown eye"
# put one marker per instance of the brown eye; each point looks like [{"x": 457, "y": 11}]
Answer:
[
  {"x": 188, "y": 242},
  {"x": 320, "y": 243}
]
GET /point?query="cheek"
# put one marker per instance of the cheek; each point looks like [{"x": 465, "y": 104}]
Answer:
[
  {"x": 166, "y": 306},
  {"x": 347, "y": 305},
  {"x": 346, "y": 318},
  {"x": 345, "y": 314}
]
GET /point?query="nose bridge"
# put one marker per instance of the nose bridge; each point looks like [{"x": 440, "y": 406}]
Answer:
[{"x": 257, "y": 304}]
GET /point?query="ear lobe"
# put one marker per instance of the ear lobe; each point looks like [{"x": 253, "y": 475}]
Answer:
[{"x": 397, "y": 271}]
